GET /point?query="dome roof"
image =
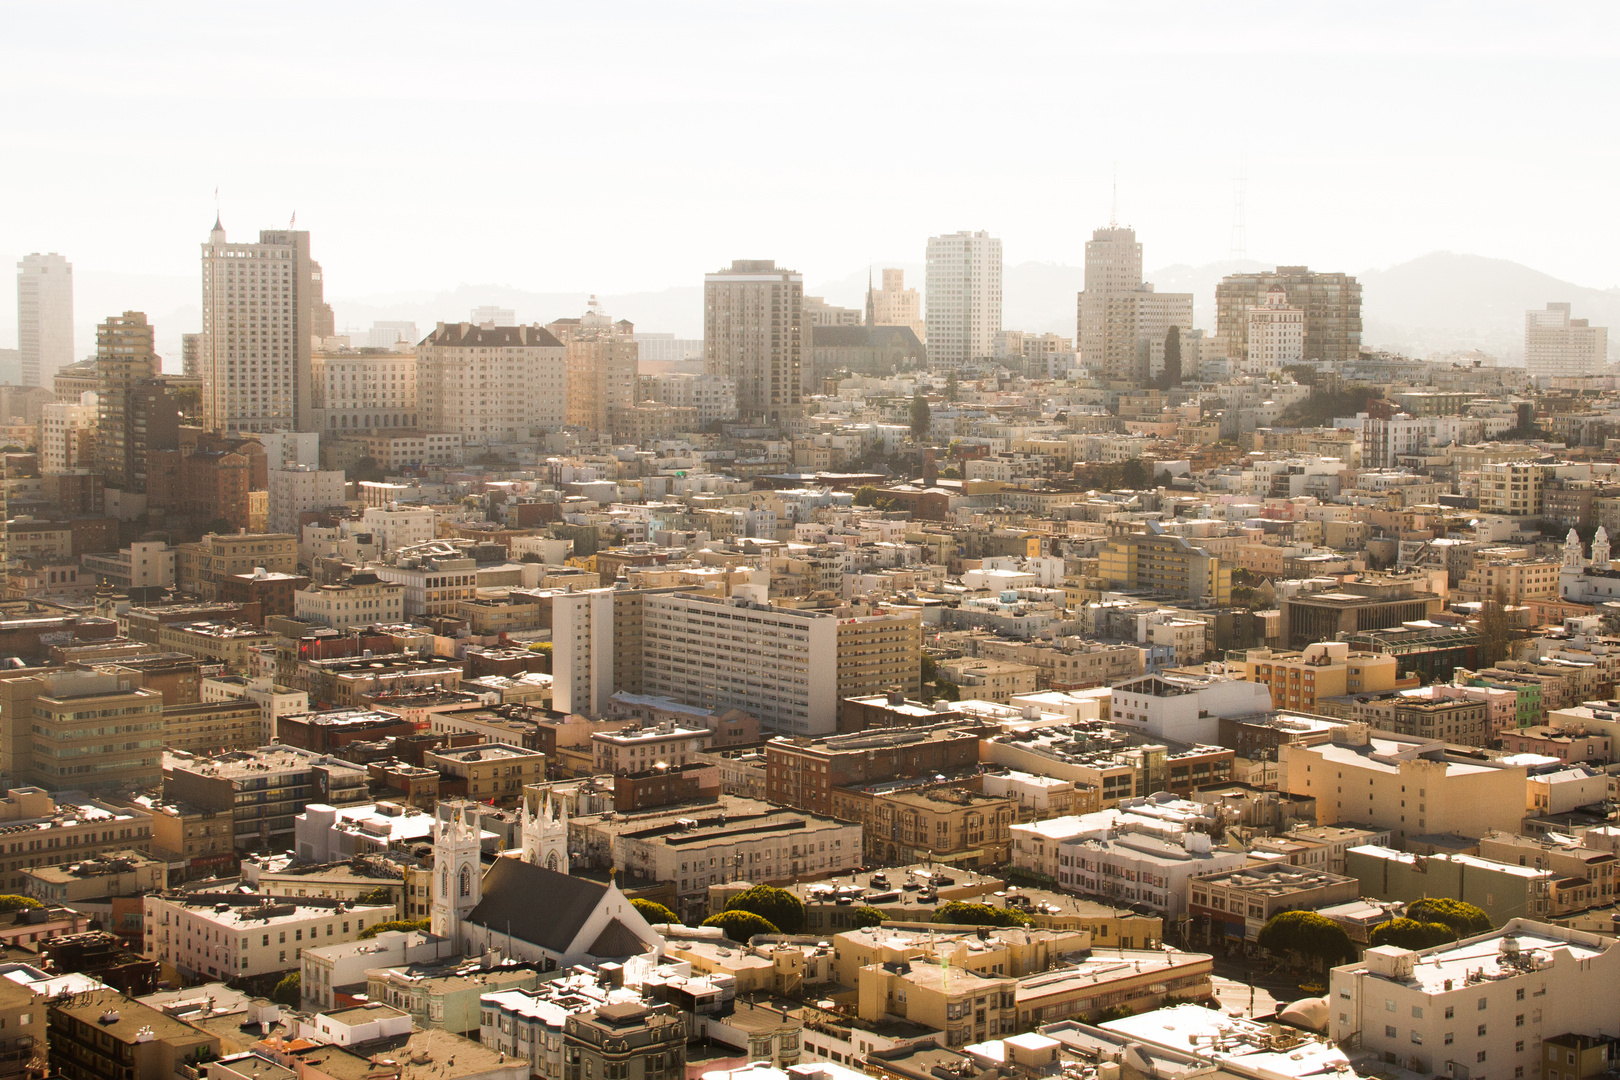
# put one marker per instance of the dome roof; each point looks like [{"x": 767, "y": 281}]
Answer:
[{"x": 1310, "y": 1013}]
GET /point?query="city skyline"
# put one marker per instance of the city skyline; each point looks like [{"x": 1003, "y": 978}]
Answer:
[{"x": 430, "y": 227}]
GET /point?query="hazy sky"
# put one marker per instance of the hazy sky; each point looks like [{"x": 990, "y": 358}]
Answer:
[{"x": 616, "y": 147}]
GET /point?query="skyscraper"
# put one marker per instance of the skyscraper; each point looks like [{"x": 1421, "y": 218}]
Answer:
[
  {"x": 262, "y": 313},
  {"x": 1121, "y": 321},
  {"x": 963, "y": 296},
  {"x": 1557, "y": 345},
  {"x": 1331, "y": 303},
  {"x": 44, "y": 316},
  {"x": 754, "y": 332},
  {"x": 134, "y": 410},
  {"x": 191, "y": 355}
]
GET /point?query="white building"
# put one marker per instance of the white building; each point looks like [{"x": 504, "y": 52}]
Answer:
[
  {"x": 254, "y": 936},
  {"x": 436, "y": 576},
  {"x": 1138, "y": 868},
  {"x": 1276, "y": 334},
  {"x": 44, "y": 317},
  {"x": 1183, "y": 708},
  {"x": 293, "y": 491},
  {"x": 398, "y": 525},
  {"x": 1556, "y": 345},
  {"x": 62, "y": 429},
  {"x": 963, "y": 297},
  {"x": 144, "y": 564},
  {"x": 633, "y": 750},
  {"x": 1480, "y": 1007},
  {"x": 274, "y": 701},
  {"x": 775, "y": 663},
  {"x": 290, "y": 449},
  {"x": 363, "y": 600},
  {"x": 329, "y": 966},
  {"x": 755, "y": 333},
  {"x": 259, "y": 380},
  {"x": 582, "y": 651},
  {"x": 492, "y": 384},
  {"x": 365, "y": 390}
]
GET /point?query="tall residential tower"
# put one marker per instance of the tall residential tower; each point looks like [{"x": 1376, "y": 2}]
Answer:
[
  {"x": 262, "y": 313},
  {"x": 963, "y": 298},
  {"x": 44, "y": 316},
  {"x": 1557, "y": 345},
  {"x": 1121, "y": 321},
  {"x": 754, "y": 332}
]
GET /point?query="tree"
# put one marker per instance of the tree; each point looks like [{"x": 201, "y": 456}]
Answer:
[
  {"x": 395, "y": 924},
  {"x": 929, "y": 668},
  {"x": 945, "y": 690},
  {"x": 865, "y": 915},
  {"x": 531, "y": 557},
  {"x": 382, "y": 894},
  {"x": 1307, "y": 935},
  {"x": 1495, "y": 629},
  {"x": 1463, "y": 918},
  {"x": 866, "y": 495},
  {"x": 1135, "y": 474},
  {"x": 655, "y": 913},
  {"x": 288, "y": 991},
  {"x": 17, "y": 903},
  {"x": 1411, "y": 934},
  {"x": 1171, "y": 375},
  {"x": 778, "y": 906},
  {"x": 962, "y": 913},
  {"x": 951, "y": 385},
  {"x": 366, "y": 468},
  {"x": 740, "y": 926},
  {"x": 921, "y": 417}
]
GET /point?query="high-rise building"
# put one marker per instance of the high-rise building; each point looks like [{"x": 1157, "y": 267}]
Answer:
[
  {"x": 67, "y": 437},
  {"x": 262, "y": 314},
  {"x": 1331, "y": 303},
  {"x": 896, "y": 305},
  {"x": 44, "y": 316},
  {"x": 754, "y": 333},
  {"x": 603, "y": 363},
  {"x": 492, "y": 383},
  {"x": 1121, "y": 321},
  {"x": 1276, "y": 333},
  {"x": 135, "y": 412},
  {"x": 191, "y": 355},
  {"x": 364, "y": 388},
  {"x": 964, "y": 296},
  {"x": 1556, "y": 345}
]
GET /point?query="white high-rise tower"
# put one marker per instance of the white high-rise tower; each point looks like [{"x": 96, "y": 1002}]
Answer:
[
  {"x": 44, "y": 317},
  {"x": 262, "y": 313},
  {"x": 963, "y": 297},
  {"x": 545, "y": 833},
  {"x": 458, "y": 870}
]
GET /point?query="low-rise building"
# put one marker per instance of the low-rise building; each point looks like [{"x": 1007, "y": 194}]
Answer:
[
  {"x": 1235, "y": 904},
  {"x": 219, "y": 936},
  {"x": 492, "y": 772}
]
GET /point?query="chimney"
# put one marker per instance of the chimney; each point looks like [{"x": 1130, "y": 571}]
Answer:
[{"x": 930, "y": 468}]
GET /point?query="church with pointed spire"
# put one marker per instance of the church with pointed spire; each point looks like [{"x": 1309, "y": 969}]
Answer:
[{"x": 1588, "y": 580}]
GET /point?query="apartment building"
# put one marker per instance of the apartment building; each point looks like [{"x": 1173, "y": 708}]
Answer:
[
  {"x": 1236, "y": 904},
  {"x": 493, "y": 772},
  {"x": 1557, "y": 346},
  {"x": 1168, "y": 564},
  {"x": 808, "y": 774},
  {"x": 755, "y": 334},
  {"x": 1275, "y": 334},
  {"x": 1331, "y": 303},
  {"x": 880, "y": 652},
  {"x": 263, "y": 790},
  {"x": 1121, "y": 322},
  {"x": 603, "y": 358},
  {"x": 52, "y": 732},
  {"x": 251, "y": 936},
  {"x": 362, "y": 599},
  {"x": 962, "y": 297},
  {"x": 44, "y": 317},
  {"x": 738, "y": 653},
  {"x": 364, "y": 389},
  {"x": 637, "y": 749},
  {"x": 625, "y": 1040},
  {"x": 949, "y": 825},
  {"x": 492, "y": 384},
  {"x": 1408, "y": 787},
  {"x": 203, "y": 567},
  {"x": 1140, "y": 868},
  {"x": 144, "y": 1044},
  {"x": 1324, "y": 669},
  {"x": 37, "y": 831},
  {"x": 895, "y": 305}
]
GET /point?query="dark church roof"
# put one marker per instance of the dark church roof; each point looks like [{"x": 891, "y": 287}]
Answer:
[
  {"x": 537, "y": 905},
  {"x": 616, "y": 939},
  {"x": 866, "y": 337}
]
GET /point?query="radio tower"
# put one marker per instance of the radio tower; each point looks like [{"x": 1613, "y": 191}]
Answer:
[{"x": 1240, "y": 224}]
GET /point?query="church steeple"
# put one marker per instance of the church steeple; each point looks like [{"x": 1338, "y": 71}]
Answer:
[
  {"x": 1572, "y": 549},
  {"x": 545, "y": 833},
  {"x": 871, "y": 300},
  {"x": 458, "y": 869}
]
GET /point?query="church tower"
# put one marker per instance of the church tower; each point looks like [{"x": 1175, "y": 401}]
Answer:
[
  {"x": 458, "y": 871},
  {"x": 1572, "y": 550},
  {"x": 545, "y": 833},
  {"x": 1600, "y": 549}
]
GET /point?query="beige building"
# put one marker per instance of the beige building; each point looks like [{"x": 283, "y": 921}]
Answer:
[
  {"x": 1512, "y": 488},
  {"x": 755, "y": 333},
  {"x": 1161, "y": 562},
  {"x": 1121, "y": 321},
  {"x": 492, "y": 384},
  {"x": 896, "y": 305},
  {"x": 602, "y": 358},
  {"x": 990, "y": 680},
  {"x": 634, "y": 750},
  {"x": 52, "y": 732},
  {"x": 1519, "y": 580},
  {"x": 1331, "y": 302},
  {"x": 44, "y": 317},
  {"x": 948, "y": 825},
  {"x": 204, "y": 566},
  {"x": 66, "y": 832},
  {"x": 255, "y": 936},
  {"x": 1276, "y": 334},
  {"x": 1556, "y": 345},
  {"x": 879, "y": 652},
  {"x": 1409, "y": 787},
  {"x": 260, "y": 380},
  {"x": 494, "y": 772},
  {"x": 364, "y": 599},
  {"x": 1327, "y": 669},
  {"x": 364, "y": 390}
]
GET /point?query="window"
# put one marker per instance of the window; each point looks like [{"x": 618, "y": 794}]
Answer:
[
  {"x": 1482, "y": 1003},
  {"x": 1482, "y": 1031},
  {"x": 1451, "y": 1011},
  {"x": 1479, "y": 1056},
  {"x": 1389, "y": 1031}
]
